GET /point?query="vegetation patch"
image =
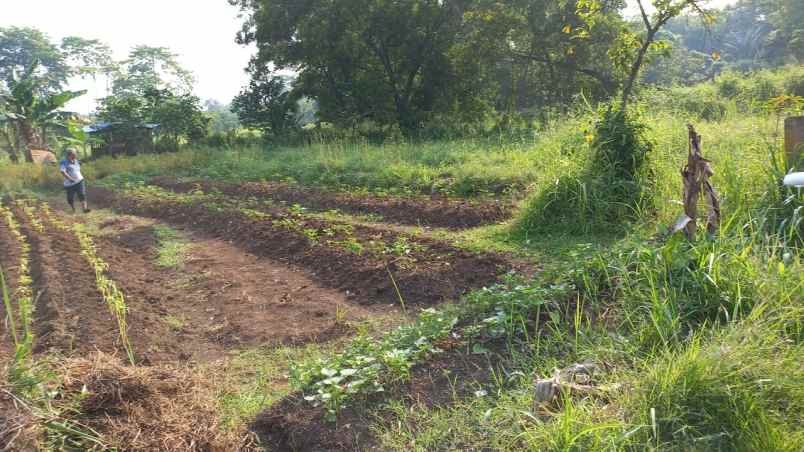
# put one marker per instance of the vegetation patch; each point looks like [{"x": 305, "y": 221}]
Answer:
[{"x": 172, "y": 249}]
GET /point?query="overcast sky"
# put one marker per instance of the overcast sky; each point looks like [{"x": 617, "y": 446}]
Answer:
[{"x": 201, "y": 32}]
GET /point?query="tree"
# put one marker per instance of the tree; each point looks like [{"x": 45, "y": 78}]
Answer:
[
  {"x": 540, "y": 61},
  {"x": 29, "y": 111},
  {"x": 21, "y": 47},
  {"x": 623, "y": 53},
  {"x": 266, "y": 104},
  {"x": 179, "y": 116},
  {"x": 395, "y": 62},
  {"x": 150, "y": 68},
  {"x": 87, "y": 57},
  {"x": 223, "y": 119}
]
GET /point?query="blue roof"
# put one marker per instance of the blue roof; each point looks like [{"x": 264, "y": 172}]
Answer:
[
  {"x": 92, "y": 128},
  {"x": 100, "y": 126}
]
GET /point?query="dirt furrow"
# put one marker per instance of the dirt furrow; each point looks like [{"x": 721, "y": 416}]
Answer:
[
  {"x": 71, "y": 315},
  {"x": 9, "y": 261},
  {"x": 435, "y": 211}
]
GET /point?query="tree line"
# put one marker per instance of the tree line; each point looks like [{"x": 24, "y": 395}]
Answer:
[
  {"x": 419, "y": 64},
  {"x": 417, "y": 68},
  {"x": 148, "y": 87}
]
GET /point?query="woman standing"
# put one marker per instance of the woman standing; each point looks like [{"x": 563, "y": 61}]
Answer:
[{"x": 74, "y": 183}]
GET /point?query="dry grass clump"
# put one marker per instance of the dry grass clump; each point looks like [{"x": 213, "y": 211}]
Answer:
[
  {"x": 18, "y": 427},
  {"x": 148, "y": 408}
]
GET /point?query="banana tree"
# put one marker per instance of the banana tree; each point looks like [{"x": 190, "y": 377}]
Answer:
[{"x": 28, "y": 108}]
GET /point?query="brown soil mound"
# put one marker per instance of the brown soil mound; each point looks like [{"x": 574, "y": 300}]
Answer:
[
  {"x": 437, "y": 211},
  {"x": 293, "y": 424},
  {"x": 444, "y": 274},
  {"x": 149, "y": 408},
  {"x": 9, "y": 262}
]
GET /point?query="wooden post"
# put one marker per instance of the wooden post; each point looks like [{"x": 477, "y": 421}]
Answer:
[{"x": 794, "y": 141}]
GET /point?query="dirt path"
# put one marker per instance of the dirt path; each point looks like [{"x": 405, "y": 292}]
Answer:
[{"x": 436, "y": 211}]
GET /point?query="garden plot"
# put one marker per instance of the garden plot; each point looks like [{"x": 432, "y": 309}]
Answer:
[
  {"x": 211, "y": 301},
  {"x": 372, "y": 265},
  {"x": 432, "y": 211},
  {"x": 219, "y": 298}
]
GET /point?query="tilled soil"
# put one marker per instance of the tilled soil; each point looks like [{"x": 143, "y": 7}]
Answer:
[
  {"x": 9, "y": 261},
  {"x": 436, "y": 211},
  {"x": 220, "y": 299},
  {"x": 70, "y": 315},
  {"x": 443, "y": 273}
]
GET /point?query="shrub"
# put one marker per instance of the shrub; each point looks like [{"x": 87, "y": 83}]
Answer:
[{"x": 613, "y": 188}]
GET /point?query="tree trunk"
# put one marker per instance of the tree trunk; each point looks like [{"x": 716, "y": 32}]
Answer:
[
  {"x": 28, "y": 135},
  {"x": 10, "y": 146},
  {"x": 629, "y": 84}
]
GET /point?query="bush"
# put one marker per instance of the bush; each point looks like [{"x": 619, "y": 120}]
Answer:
[{"x": 613, "y": 189}]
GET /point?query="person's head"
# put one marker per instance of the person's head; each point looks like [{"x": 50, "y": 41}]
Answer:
[{"x": 71, "y": 154}]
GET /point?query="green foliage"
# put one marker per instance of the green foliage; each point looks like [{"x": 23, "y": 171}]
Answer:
[
  {"x": 266, "y": 104},
  {"x": 29, "y": 108},
  {"x": 172, "y": 248},
  {"x": 397, "y": 63},
  {"x": 152, "y": 68},
  {"x": 87, "y": 57},
  {"x": 367, "y": 365},
  {"x": 180, "y": 116},
  {"x": 615, "y": 187},
  {"x": 22, "y": 48},
  {"x": 223, "y": 119}
]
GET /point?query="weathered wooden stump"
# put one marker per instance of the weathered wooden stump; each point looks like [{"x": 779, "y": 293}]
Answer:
[{"x": 794, "y": 141}]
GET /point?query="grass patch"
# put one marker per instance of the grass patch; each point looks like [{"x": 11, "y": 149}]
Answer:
[
  {"x": 172, "y": 248},
  {"x": 176, "y": 323},
  {"x": 253, "y": 380}
]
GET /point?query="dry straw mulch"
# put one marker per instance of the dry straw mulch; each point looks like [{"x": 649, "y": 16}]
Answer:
[{"x": 133, "y": 408}]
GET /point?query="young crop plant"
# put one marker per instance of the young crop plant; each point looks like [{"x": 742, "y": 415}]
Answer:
[
  {"x": 108, "y": 288},
  {"x": 30, "y": 212},
  {"x": 23, "y": 295},
  {"x": 111, "y": 294},
  {"x": 504, "y": 312},
  {"x": 368, "y": 365}
]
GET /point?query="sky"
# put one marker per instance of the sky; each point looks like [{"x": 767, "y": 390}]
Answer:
[{"x": 201, "y": 32}]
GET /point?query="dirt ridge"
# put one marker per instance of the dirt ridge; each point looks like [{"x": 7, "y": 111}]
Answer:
[{"x": 434, "y": 211}]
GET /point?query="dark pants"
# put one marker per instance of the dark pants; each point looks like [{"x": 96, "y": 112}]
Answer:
[{"x": 79, "y": 189}]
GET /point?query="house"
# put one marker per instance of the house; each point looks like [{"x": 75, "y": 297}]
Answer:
[{"x": 121, "y": 139}]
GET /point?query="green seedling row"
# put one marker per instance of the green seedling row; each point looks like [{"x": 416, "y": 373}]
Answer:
[
  {"x": 336, "y": 235},
  {"x": 22, "y": 295},
  {"x": 111, "y": 294}
]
